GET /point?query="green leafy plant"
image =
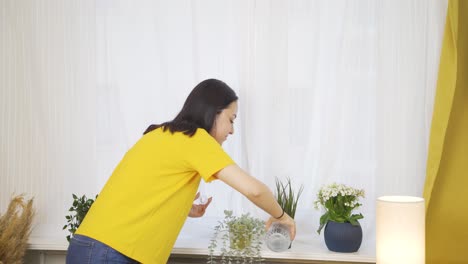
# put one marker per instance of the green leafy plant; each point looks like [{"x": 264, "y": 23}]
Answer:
[
  {"x": 287, "y": 197},
  {"x": 339, "y": 201},
  {"x": 79, "y": 209},
  {"x": 240, "y": 237}
]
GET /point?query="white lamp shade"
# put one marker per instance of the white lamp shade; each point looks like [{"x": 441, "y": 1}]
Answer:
[{"x": 400, "y": 230}]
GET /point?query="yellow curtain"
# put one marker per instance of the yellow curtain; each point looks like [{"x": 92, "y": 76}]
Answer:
[{"x": 446, "y": 187}]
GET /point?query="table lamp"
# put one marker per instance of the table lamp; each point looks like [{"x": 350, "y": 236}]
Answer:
[{"x": 400, "y": 230}]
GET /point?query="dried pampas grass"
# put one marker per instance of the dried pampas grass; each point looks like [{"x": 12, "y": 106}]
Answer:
[{"x": 15, "y": 228}]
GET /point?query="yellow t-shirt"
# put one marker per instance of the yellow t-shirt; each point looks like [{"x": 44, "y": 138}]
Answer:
[{"x": 145, "y": 202}]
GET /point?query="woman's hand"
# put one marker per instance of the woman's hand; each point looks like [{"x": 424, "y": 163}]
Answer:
[
  {"x": 285, "y": 220},
  {"x": 198, "y": 210}
]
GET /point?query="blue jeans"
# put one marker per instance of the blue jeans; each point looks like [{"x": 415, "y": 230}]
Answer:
[{"x": 85, "y": 250}]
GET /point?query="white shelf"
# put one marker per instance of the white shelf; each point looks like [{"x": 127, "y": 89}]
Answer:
[{"x": 195, "y": 236}]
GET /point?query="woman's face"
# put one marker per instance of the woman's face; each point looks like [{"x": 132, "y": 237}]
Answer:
[{"x": 224, "y": 123}]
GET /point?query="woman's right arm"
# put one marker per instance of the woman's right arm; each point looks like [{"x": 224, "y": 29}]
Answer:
[{"x": 258, "y": 193}]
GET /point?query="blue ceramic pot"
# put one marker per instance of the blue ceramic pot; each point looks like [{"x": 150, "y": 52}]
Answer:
[{"x": 343, "y": 237}]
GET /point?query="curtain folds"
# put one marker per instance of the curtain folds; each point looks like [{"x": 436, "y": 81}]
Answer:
[
  {"x": 447, "y": 166},
  {"x": 337, "y": 91}
]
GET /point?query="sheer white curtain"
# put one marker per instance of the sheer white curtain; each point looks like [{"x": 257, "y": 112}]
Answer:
[
  {"x": 48, "y": 109},
  {"x": 330, "y": 91}
]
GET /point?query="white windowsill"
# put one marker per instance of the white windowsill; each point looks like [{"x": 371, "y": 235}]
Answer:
[{"x": 195, "y": 237}]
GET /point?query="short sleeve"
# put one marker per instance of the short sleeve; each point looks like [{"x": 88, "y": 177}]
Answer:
[{"x": 206, "y": 156}]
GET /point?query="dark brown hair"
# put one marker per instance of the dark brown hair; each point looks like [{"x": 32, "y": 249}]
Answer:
[{"x": 202, "y": 105}]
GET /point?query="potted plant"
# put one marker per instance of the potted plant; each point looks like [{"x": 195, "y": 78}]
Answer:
[
  {"x": 15, "y": 228},
  {"x": 79, "y": 209},
  {"x": 287, "y": 198},
  {"x": 240, "y": 239},
  {"x": 343, "y": 233}
]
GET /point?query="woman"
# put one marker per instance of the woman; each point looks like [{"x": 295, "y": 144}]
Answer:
[{"x": 144, "y": 204}]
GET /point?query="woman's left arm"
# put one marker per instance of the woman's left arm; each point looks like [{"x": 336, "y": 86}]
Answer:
[{"x": 198, "y": 210}]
